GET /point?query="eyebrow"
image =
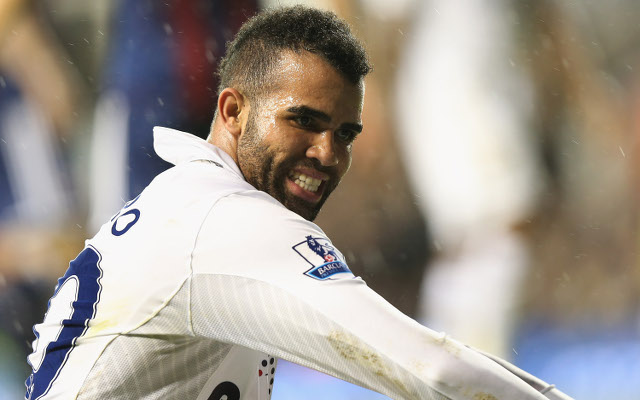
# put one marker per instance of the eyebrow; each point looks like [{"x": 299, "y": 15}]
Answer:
[{"x": 322, "y": 116}]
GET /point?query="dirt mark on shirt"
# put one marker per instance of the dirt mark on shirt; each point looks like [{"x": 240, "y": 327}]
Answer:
[
  {"x": 484, "y": 396},
  {"x": 353, "y": 349}
]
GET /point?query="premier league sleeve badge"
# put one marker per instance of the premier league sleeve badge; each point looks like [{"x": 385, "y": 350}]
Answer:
[{"x": 325, "y": 260}]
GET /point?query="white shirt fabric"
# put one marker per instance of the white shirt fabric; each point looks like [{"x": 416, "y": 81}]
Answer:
[{"x": 197, "y": 286}]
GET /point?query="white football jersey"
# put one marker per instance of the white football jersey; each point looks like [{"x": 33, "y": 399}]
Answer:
[{"x": 198, "y": 285}]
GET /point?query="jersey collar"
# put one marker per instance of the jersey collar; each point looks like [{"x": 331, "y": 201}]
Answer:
[{"x": 179, "y": 147}]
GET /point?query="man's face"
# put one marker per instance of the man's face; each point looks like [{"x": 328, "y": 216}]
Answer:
[{"x": 297, "y": 141}]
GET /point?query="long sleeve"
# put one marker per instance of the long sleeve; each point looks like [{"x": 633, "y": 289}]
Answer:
[{"x": 258, "y": 281}]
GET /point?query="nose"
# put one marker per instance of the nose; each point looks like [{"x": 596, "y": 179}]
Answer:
[{"x": 323, "y": 149}]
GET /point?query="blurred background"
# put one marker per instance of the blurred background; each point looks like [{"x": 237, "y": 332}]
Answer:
[{"x": 493, "y": 193}]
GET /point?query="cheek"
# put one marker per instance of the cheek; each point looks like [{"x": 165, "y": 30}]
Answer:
[
  {"x": 345, "y": 161},
  {"x": 275, "y": 134},
  {"x": 262, "y": 129},
  {"x": 266, "y": 121}
]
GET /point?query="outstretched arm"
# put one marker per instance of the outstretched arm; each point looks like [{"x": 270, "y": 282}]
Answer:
[{"x": 264, "y": 290}]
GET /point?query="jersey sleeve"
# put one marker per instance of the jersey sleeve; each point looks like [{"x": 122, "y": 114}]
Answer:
[{"x": 266, "y": 279}]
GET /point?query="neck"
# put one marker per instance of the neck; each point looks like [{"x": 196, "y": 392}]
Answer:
[{"x": 223, "y": 139}]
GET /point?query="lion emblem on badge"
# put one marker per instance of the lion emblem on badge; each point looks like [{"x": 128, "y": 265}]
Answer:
[{"x": 325, "y": 251}]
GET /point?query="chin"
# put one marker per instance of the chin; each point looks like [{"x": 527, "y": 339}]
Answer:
[
  {"x": 304, "y": 210},
  {"x": 308, "y": 214}
]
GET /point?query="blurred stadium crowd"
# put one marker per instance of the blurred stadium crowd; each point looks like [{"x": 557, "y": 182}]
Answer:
[{"x": 493, "y": 195}]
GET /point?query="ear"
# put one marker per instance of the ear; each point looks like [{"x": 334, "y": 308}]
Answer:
[{"x": 231, "y": 104}]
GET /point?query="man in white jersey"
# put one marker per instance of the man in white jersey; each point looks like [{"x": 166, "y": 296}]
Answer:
[{"x": 198, "y": 285}]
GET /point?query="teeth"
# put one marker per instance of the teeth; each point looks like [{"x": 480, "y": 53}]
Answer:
[{"x": 305, "y": 182}]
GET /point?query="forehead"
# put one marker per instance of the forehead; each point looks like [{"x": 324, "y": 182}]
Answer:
[{"x": 308, "y": 79}]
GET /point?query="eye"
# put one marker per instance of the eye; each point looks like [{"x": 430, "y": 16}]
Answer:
[
  {"x": 304, "y": 121},
  {"x": 346, "y": 135}
]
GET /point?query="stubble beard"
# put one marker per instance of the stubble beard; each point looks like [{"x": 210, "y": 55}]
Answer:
[{"x": 261, "y": 169}]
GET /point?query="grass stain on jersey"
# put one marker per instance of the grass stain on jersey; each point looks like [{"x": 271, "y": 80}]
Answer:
[
  {"x": 484, "y": 396},
  {"x": 352, "y": 348}
]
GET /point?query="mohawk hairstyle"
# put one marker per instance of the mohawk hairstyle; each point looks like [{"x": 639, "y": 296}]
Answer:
[{"x": 256, "y": 49}]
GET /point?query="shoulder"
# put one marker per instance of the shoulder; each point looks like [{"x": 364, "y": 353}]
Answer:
[
  {"x": 253, "y": 210},
  {"x": 192, "y": 186},
  {"x": 250, "y": 233},
  {"x": 201, "y": 175},
  {"x": 231, "y": 201}
]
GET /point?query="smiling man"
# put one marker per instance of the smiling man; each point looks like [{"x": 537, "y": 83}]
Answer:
[
  {"x": 198, "y": 285},
  {"x": 292, "y": 140}
]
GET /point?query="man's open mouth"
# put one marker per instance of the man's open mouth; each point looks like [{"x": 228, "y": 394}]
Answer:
[{"x": 306, "y": 182}]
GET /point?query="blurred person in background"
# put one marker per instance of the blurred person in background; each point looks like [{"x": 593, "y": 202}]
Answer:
[
  {"x": 39, "y": 93},
  {"x": 525, "y": 163},
  {"x": 159, "y": 70},
  {"x": 464, "y": 113}
]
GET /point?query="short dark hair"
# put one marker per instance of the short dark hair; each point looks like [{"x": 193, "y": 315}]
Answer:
[{"x": 259, "y": 44}]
